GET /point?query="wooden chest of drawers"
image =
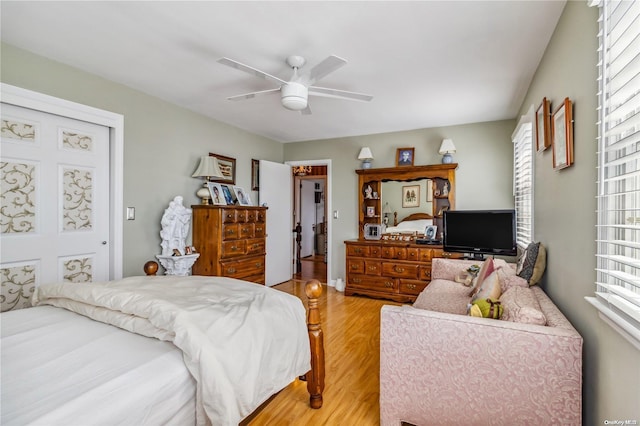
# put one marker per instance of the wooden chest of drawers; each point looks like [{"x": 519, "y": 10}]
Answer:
[
  {"x": 231, "y": 241},
  {"x": 391, "y": 270}
]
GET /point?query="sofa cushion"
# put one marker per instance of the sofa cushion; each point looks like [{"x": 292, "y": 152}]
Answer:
[
  {"x": 444, "y": 296},
  {"x": 532, "y": 263},
  {"x": 486, "y": 269},
  {"x": 490, "y": 287},
  {"x": 521, "y": 305}
]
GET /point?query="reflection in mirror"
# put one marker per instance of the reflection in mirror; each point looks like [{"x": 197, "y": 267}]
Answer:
[{"x": 392, "y": 199}]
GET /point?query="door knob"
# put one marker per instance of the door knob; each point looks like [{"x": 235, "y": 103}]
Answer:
[{"x": 104, "y": 243}]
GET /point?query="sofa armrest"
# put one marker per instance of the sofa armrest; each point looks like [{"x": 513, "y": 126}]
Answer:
[{"x": 465, "y": 370}]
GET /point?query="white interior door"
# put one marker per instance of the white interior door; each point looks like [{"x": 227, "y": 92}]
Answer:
[
  {"x": 54, "y": 216},
  {"x": 275, "y": 192}
]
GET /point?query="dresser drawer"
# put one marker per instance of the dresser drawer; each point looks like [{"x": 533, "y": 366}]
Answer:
[
  {"x": 411, "y": 286},
  {"x": 230, "y": 231},
  {"x": 255, "y": 246},
  {"x": 424, "y": 272},
  {"x": 252, "y": 216},
  {"x": 260, "y": 230},
  {"x": 359, "y": 251},
  {"x": 400, "y": 270},
  {"x": 261, "y": 216},
  {"x": 233, "y": 248},
  {"x": 425, "y": 254},
  {"x": 446, "y": 254},
  {"x": 372, "y": 267},
  {"x": 228, "y": 215},
  {"x": 243, "y": 268},
  {"x": 399, "y": 253},
  {"x": 355, "y": 266},
  {"x": 373, "y": 283},
  {"x": 241, "y": 216},
  {"x": 413, "y": 254},
  {"x": 246, "y": 230},
  {"x": 375, "y": 251}
]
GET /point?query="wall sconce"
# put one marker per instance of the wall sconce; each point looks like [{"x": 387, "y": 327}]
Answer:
[
  {"x": 207, "y": 168},
  {"x": 446, "y": 149},
  {"x": 366, "y": 156},
  {"x": 301, "y": 170}
]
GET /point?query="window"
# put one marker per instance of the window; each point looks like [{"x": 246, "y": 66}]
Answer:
[
  {"x": 523, "y": 180},
  {"x": 617, "y": 295}
]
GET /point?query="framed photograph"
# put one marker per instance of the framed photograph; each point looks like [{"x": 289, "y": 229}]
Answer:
[
  {"x": 242, "y": 196},
  {"x": 255, "y": 175},
  {"x": 430, "y": 232},
  {"x": 404, "y": 156},
  {"x": 371, "y": 211},
  {"x": 411, "y": 196},
  {"x": 372, "y": 231},
  {"x": 543, "y": 125},
  {"x": 562, "y": 135},
  {"x": 228, "y": 195},
  {"x": 217, "y": 194},
  {"x": 227, "y": 167}
]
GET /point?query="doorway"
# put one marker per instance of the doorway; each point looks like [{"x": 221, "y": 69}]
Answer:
[{"x": 310, "y": 222}]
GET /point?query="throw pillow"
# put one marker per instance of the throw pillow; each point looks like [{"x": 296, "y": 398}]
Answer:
[
  {"x": 486, "y": 308},
  {"x": 521, "y": 305},
  {"x": 486, "y": 269},
  {"x": 490, "y": 287},
  {"x": 532, "y": 263}
]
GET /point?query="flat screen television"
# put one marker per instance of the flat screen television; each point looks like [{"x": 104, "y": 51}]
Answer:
[{"x": 480, "y": 232}]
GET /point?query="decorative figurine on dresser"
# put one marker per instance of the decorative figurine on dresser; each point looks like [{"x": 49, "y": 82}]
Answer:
[
  {"x": 176, "y": 257},
  {"x": 231, "y": 241},
  {"x": 397, "y": 264}
]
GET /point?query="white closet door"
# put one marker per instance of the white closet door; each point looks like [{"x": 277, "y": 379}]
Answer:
[
  {"x": 54, "y": 203},
  {"x": 275, "y": 192}
]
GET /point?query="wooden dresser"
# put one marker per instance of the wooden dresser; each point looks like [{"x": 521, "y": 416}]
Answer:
[
  {"x": 390, "y": 269},
  {"x": 231, "y": 241}
]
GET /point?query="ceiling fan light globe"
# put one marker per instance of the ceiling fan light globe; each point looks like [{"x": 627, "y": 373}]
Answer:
[{"x": 294, "y": 96}]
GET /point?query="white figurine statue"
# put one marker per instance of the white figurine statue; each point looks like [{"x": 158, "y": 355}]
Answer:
[{"x": 175, "y": 227}]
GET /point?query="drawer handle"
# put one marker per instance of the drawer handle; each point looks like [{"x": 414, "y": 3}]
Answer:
[
  {"x": 357, "y": 280},
  {"x": 234, "y": 248},
  {"x": 411, "y": 286},
  {"x": 258, "y": 264},
  {"x": 373, "y": 268},
  {"x": 231, "y": 270},
  {"x": 259, "y": 229},
  {"x": 388, "y": 284},
  {"x": 229, "y": 216},
  {"x": 445, "y": 254},
  {"x": 398, "y": 269},
  {"x": 354, "y": 266},
  {"x": 256, "y": 245},
  {"x": 230, "y": 231},
  {"x": 358, "y": 250},
  {"x": 386, "y": 252},
  {"x": 412, "y": 254}
]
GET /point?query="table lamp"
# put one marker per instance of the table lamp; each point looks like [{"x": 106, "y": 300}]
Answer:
[
  {"x": 208, "y": 168},
  {"x": 366, "y": 156},
  {"x": 446, "y": 149}
]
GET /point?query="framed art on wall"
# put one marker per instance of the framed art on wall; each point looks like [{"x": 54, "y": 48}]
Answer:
[
  {"x": 227, "y": 167},
  {"x": 404, "y": 156},
  {"x": 562, "y": 135},
  {"x": 411, "y": 196},
  {"x": 543, "y": 125},
  {"x": 255, "y": 175}
]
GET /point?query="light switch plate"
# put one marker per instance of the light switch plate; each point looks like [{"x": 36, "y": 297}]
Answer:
[{"x": 131, "y": 213}]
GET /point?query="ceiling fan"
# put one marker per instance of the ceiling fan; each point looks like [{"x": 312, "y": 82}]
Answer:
[{"x": 295, "y": 92}]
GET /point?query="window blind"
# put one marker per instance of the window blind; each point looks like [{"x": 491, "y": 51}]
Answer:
[
  {"x": 617, "y": 293},
  {"x": 523, "y": 183}
]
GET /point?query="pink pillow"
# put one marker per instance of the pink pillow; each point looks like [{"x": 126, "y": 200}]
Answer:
[
  {"x": 486, "y": 270},
  {"x": 490, "y": 287},
  {"x": 521, "y": 305}
]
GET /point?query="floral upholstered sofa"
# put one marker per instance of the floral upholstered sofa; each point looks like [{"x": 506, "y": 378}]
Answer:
[{"x": 440, "y": 366}]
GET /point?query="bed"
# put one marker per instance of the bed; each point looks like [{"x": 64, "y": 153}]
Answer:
[
  {"x": 414, "y": 224},
  {"x": 184, "y": 350}
]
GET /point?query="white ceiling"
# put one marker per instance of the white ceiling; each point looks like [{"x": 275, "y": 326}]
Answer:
[{"x": 427, "y": 63}]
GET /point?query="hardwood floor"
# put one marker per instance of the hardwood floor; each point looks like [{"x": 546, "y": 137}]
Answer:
[
  {"x": 313, "y": 267},
  {"x": 351, "y": 327}
]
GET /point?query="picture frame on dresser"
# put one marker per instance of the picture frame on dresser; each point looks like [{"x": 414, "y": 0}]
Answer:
[
  {"x": 227, "y": 167},
  {"x": 217, "y": 194},
  {"x": 242, "y": 196}
]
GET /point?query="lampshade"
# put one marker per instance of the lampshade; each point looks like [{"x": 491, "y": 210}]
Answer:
[
  {"x": 365, "y": 154},
  {"x": 447, "y": 147},
  {"x": 208, "y": 167},
  {"x": 386, "y": 209}
]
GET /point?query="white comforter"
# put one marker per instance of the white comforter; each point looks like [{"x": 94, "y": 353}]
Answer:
[{"x": 242, "y": 342}]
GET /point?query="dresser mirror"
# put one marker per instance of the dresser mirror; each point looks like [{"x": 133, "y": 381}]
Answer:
[{"x": 397, "y": 201}]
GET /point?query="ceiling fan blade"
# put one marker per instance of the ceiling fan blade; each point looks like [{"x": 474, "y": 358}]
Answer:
[
  {"x": 325, "y": 67},
  {"x": 339, "y": 94},
  {"x": 306, "y": 111},
  {"x": 252, "y": 95},
  {"x": 246, "y": 68}
]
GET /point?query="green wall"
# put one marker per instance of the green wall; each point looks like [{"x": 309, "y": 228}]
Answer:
[
  {"x": 162, "y": 143},
  {"x": 483, "y": 179},
  {"x": 565, "y": 218}
]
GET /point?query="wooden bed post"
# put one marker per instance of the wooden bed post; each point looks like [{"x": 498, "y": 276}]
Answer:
[
  {"x": 315, "y": 377},
  {"x": 151, "y": 267}
]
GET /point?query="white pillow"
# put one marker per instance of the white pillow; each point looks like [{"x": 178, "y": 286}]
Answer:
[{"x": 415, "y": 225}]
